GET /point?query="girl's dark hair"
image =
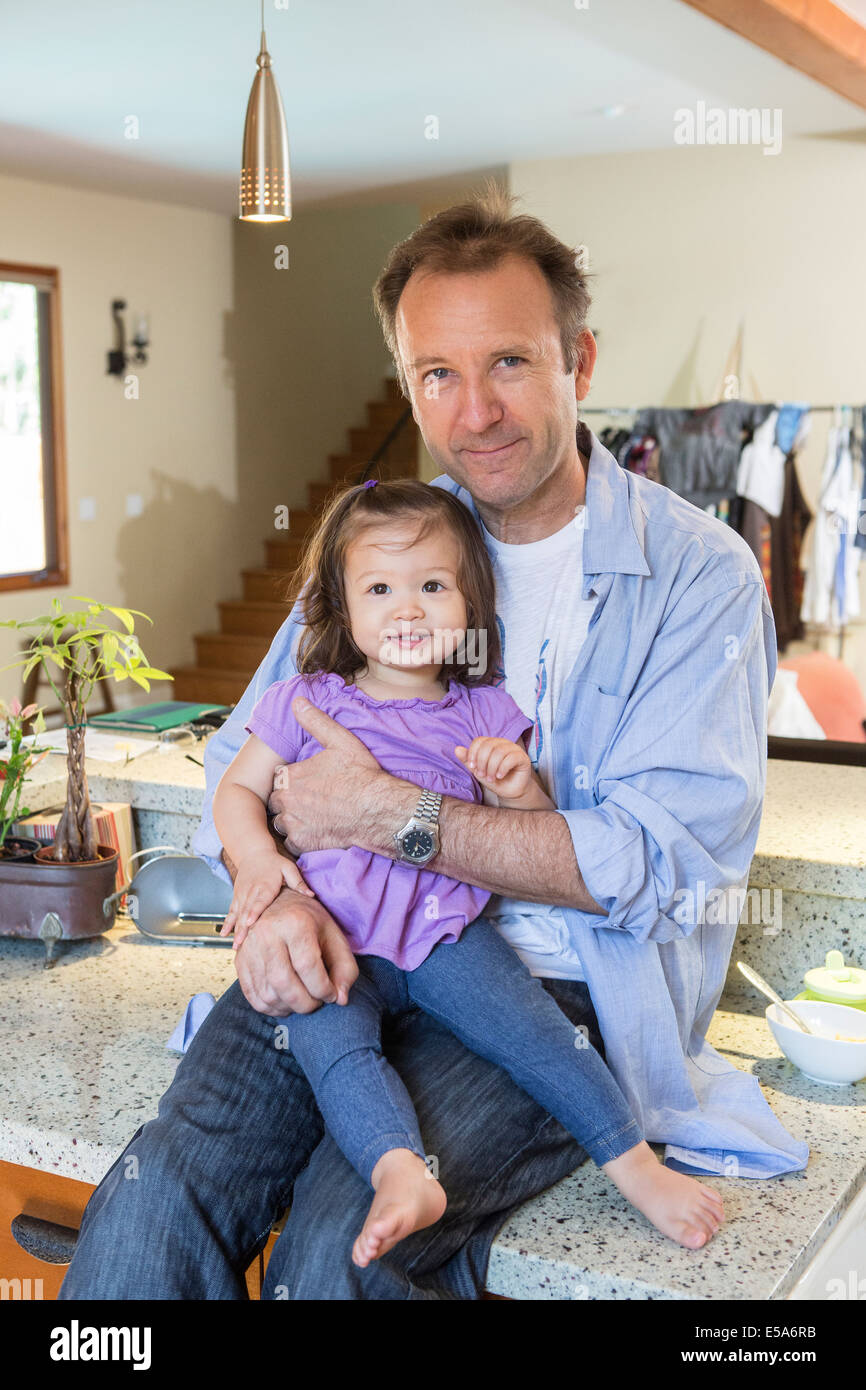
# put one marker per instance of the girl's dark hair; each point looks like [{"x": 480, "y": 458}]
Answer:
[{"x": 326, "y": 643}]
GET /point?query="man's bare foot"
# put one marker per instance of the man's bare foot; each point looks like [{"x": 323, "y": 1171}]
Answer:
[
  {"x": 678, "y": 1206},
  {"x": 407, "y": 1199}
]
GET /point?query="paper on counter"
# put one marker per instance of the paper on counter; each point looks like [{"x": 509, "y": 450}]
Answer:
[{"x": 108, "y": 748}]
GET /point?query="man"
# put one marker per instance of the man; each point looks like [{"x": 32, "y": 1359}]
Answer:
[{"x": 637, "y": 633}]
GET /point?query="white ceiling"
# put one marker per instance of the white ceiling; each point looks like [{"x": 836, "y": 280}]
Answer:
[{"x": 507, "y": 79}]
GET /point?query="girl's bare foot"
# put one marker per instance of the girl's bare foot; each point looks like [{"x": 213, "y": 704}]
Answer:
[
  {"x": 407, "y": 1199},
  {"x": 678, "y": 1206}
]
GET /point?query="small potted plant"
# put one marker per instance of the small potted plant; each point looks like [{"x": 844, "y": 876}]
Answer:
[
  {"x": 15, "y": 764},
  {"x": 70, "y": 879}
]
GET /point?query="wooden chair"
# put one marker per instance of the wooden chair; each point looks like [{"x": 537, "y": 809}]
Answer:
[{"x": 32, "y": 684}]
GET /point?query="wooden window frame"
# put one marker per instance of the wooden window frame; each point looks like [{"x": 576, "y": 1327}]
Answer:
[{"x": 56, "y": 571}]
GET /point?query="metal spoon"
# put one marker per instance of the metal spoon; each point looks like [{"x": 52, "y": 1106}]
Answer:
[{"x": 760, "y": 983}]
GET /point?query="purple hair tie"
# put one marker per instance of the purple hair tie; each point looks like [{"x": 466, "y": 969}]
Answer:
[{"x": 371, "y": 482}]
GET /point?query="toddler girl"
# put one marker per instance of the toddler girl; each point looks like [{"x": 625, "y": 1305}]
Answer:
[{"x": 396, "y": 583}]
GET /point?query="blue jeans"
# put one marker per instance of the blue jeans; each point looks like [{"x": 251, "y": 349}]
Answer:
[
  {"x": 238, "y": 1136},
  {"x": 480, "y": 989}
]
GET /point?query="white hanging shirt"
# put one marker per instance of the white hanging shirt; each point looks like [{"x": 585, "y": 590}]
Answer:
[{"x": 542, "y": 623}]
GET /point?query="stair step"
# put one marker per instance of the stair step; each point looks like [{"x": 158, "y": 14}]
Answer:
[
  {"x": 367, "y": 441},
  {"x": 348, "y": 468},
  {"x": 229, "y": 651},
  {"x": 393, "y": 390},
  {"x": 226, "y": 661},
  {"x": 283, "y": 554},
  {"x": 321, "y": 493},
  {"x": 301, "y": 522},
  {"x": 345, "y": 468},
  {"x": 209, "y": 684},
  {"x": 259, "y": 616},
  {"x": 383, "y": 416},
  {"x": 266, "y": 585}
]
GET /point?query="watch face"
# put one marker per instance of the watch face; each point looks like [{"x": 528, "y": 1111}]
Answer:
[{"x": 417, "y": 844}]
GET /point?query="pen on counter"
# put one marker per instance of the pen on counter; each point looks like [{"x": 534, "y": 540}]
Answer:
[{"x": 194, "y": 760}]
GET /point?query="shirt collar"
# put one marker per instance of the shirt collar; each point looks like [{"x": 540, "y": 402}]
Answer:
[{"x": 613, "y": 536}]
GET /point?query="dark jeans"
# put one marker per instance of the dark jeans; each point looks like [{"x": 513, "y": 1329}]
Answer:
[
  {"x": 479, "y": 988},
  {"x": 183, "y": 1210}
]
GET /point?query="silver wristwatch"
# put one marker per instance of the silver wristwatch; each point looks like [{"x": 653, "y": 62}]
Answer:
[{"x": 418, "y": 841}]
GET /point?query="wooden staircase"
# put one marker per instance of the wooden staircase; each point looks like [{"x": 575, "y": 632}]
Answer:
[{"x": 227, "y": 660}]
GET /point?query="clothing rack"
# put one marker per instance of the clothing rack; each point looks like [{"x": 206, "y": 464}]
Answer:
[
  {"x": 616, "y": 410},
  {"x": 636, "y": 409}
]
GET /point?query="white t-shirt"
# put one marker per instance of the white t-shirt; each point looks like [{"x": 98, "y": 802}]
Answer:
[{"x": 543, "y": 623}]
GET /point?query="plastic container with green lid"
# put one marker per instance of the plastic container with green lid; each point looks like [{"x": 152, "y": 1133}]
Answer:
[{"x": 834, "y": 982}]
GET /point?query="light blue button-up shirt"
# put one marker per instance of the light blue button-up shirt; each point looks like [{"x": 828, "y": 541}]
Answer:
[{"x": 659, "y": 760}]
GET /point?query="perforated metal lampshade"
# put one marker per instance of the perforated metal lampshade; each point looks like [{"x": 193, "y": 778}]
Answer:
[{"x": 265, "y": 192}]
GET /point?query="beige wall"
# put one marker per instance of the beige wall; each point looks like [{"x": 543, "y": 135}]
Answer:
[
  {"x": 685, "y": 243},
  {"x": 307, "y": 344},
  {"x": 255, "y": 376},
  {"x": 174, "y": 445}
]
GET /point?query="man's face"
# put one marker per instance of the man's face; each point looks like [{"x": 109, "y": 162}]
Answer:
[
  {"x": 483, "y": 360},
  {"x": 404, "y": 606}
]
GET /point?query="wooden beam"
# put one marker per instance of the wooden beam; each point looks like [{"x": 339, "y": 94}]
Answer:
[{"x": 813, "y": 36}]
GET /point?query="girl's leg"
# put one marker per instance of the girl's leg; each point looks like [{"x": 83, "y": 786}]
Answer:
[
  {"x": 363, "y": 1102},
  {"x": 481, "y": 989},
  {"x": 367, "y": 1109}
]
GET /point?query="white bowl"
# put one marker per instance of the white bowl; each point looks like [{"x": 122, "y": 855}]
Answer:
[{"x": 822, "y": 1057}]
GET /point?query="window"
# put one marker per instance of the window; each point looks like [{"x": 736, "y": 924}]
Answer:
[{"x": 33, "y": 529}]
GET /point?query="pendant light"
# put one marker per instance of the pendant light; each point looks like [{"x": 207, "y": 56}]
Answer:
[{"x": 265, "y": 192}]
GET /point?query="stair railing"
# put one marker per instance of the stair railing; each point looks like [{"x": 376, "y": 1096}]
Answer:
[{"x": 383, "y": 448}]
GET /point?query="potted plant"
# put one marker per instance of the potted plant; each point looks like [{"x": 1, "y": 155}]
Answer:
[
  {"x": 73, "y": 875},
  {"x": 15, "y": 763}
]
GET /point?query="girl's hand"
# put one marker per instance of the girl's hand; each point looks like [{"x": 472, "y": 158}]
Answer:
[
  {"x": 499, "y": 764},
  {"x": 260, "y": 879}
]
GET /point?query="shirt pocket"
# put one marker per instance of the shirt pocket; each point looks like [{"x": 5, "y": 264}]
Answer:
[{"x": 594, "y": 717}]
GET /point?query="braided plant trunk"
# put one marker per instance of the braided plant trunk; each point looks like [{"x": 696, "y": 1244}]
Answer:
[{"x": 75, "y": 840}]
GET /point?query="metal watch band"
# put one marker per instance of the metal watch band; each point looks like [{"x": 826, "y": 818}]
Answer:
[{"x": 428, "y": 807}]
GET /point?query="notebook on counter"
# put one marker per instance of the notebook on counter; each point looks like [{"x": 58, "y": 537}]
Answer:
[{"x": 165, "y": 714}]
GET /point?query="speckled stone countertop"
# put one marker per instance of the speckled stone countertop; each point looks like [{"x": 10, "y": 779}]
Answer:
[
  {"x": 159, "y": 780},
  {"x": 83, "y": 1060},
  {"x": 813, "y": 829},
  {"x": 812, "y": 837},
  {"x": 582, "y": 1240},
  {"x": 83, "y": 1063}
]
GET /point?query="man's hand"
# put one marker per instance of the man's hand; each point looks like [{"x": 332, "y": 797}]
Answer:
[
  {"x": 295, "y": 958},
  {"x": 319, "y": 802}
]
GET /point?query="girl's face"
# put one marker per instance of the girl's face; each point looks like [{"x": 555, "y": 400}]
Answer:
[{"x": 405, "y": 610}]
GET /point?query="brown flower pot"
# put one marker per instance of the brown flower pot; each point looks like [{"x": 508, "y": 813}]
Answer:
[
  {"x": 18, "y": 847},
  {"x": 50, "y": 901}
]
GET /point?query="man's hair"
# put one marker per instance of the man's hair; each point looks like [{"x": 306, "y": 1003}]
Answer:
[
  {"x": 326, "y": 643},
  {"x": 476, "y": 236}
]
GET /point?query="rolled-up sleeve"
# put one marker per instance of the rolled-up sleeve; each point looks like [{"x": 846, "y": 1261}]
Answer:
[
  {"x": 680, "y": 788},
  {"x": 277, "y": 665}
]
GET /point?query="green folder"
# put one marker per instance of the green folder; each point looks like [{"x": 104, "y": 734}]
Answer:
[{"x": 165, "y": 714}]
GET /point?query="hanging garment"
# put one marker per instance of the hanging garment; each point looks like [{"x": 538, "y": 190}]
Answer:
[
  {"x": 786, "y": 543},
  {"x": 792, "y": 426},
  {"x": 700, "y": 448},
  {"x": 761, "y": 474},
  {"x": 860, "y": 538},
  {"x": 755, "y": 529},
  {"x": 831, "y": 595}
]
